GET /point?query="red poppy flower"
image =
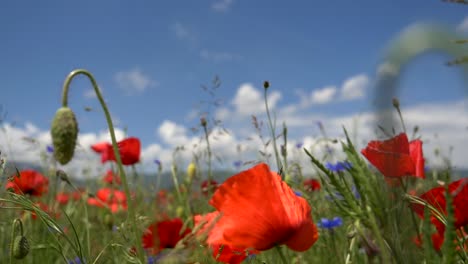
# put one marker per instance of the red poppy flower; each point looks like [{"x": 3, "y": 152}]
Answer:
[
  {"x": 221, "y": 253},
  {"x": 115, "y": 200},
  {"x": 436, "y": 198},
  {"x": 129, "y": 149},
  {"x": 163, "y": 234},
  {"x": 208, "y": 186},
  {"x": 258, "y": 210},
  {"x": 312, "y": 185},
  {"x": 62, "y": 198},
  {"x": 396, "y": 157},
  {"x": 111, "y": 178},
  {"x": 29, "y": 182}
]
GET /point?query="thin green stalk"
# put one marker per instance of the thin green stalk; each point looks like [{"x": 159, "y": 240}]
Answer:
[
  {"x": 131, "y": 208},
  {"x": 281, "y": 254},
  {"x": 208, "y": 148},
  {"x": 272, "y": 127}
]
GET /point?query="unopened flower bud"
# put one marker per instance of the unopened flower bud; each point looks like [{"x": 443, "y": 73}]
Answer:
[
  {"x": 396, "y": 103},
  {"x": 179, "y": 211},
  {"x": 266, "y": 84},
  {"x": 64, "y": 132},
  {"x": 20, "y": 247},
  {"x": 203, "y": 122},
  {"x": 191, "y": 171}
]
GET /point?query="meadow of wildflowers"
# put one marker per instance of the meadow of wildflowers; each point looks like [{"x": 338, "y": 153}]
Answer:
[{"x": 378, "y": 204}]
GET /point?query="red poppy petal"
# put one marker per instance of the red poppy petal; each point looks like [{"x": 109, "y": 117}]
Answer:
[
  {"x": 130, "y": 149},
  {"x": 258, "y": 210},
  {"x": 416, "y": 153}
]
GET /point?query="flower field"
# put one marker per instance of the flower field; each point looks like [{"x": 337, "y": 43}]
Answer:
[{"x": 381, "y": 203}]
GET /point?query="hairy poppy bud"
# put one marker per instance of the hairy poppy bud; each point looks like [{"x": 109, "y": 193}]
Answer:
[
  {"x": 109, "y": 221},
  {"x": 20, "y": 247},
  {"x": 266, "y": 84},
  {"x": 64, "y": 131},
  {"x": 191, "y": 171}
]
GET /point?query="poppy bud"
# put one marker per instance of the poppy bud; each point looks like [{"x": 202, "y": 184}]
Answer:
[
  {"x": 20, "y": 247},
  {"x": 179, "y": 211},
  {"x": 266, "y": 84},
  {"x": 191, "y": 171},
  {"x": 109, "y": 221},
  {"x": 396, "y": 103},
  {"x": 203, "y": 122},
  {"x": 64, "y": 132}
]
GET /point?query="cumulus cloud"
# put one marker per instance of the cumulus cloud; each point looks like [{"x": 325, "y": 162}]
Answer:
[
  {"x": 222, "y": 5},
  {"x": 250, "y": 101},
  {"x": 134, "y": 81},
  {"x": 241, "y": 142},
  {"x": 463, "y": 26},
  {"x": 354, "y": 87},
  {"x": 323, "y": 96}
]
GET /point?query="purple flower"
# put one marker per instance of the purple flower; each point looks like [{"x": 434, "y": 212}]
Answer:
[
  {"x": 339, "y": 166},
  {"x": 157, "y": 162},
  {"x": 50, "y": 149},
  {"x": 77, "y": 260},
  {"x": 330, "y": 223},
  {"x": 299, "y": 145},
  {"x": 237, "y": 164}
]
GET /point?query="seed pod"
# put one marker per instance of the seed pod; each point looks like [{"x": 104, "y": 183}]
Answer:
[
  {"x": 20, "y": 247},
  {"x": 64, "y": 132}
]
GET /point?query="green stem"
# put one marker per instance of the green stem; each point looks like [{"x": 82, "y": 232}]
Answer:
[
  {"x": 281, "y": 254},
  {"x": 208, "y": 148},
  {"x": 272, "y": 129},
  {"x": 131, "y": 209}
]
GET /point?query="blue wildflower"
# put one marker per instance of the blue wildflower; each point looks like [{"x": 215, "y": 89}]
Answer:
[
  {"x": 237, "y": 164},
  {"x": 339, "y": 166},
  {"x": 299, "y": 145},
  {"x": 50, "y": 149},
  {"x": 330, "y": 223},
  {"x": 298, "y": 193},
  {"x": 158, "y": 162},
  {"x": 76, "y": 260}
]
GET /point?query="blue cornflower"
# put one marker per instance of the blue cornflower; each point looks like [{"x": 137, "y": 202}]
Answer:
[
  {"x": 237, "y": 164},
  {"x": 50, "y": 149},
  {"x": 339, "y": 166},
  {"x": 298, "y": 193},
  {"x": 299, "y": 145},
  {"x": 330, "y": 223},
  {"x": 77, "y": 260},
  {"x": 158, "y": 162}
]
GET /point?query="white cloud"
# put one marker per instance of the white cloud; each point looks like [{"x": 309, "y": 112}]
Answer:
[
  {"x": 90, "y": 93},
  {"x": 354, "y": 87},
  {"x": 222, "y": 5},
  {"x": 134, "y": 81},
  {"x": 250, "y": 101},
  {"x": 173, "y": 134},
  {"x": 241, "y": 142},
  {"x": 463, "y": 26},
  {"x": 323, "y": 96}
]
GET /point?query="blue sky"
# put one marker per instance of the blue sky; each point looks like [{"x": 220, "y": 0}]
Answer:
[{"x": 151, "y": 58}]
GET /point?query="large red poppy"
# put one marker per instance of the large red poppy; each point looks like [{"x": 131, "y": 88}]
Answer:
[
  {"x": 221, "y": 253},
  {"x": 163, "y": 234},
  {"x": 436, "y": 198},
  {"x": 129, "y": 150},
  {"x": 396, "y": 157},
  {"x": 28, "y": 182},
  {"x": 115, "y": 200},
  {"x": 258, "y": 210}
]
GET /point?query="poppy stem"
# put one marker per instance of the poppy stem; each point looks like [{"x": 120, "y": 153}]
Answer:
[
  {"x": 16, "y": 222},
  {"x": 281, "y": 254},
  {"x": 272, "y": 129},
  {"x": 131, "y": 209}
]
